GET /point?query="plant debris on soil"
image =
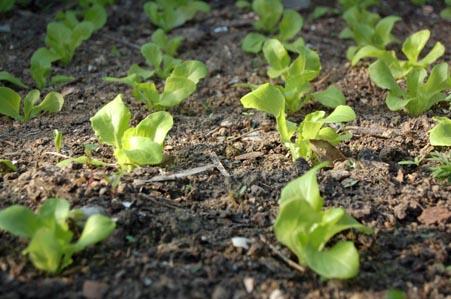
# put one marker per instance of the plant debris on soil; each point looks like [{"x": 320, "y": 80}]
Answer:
[{"x": 174, "y": 235}]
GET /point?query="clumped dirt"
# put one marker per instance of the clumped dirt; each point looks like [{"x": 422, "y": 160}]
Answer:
[{"x": 174, "y": 237}]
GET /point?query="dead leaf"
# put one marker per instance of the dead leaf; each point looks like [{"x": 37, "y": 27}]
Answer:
[
  {"x": 326, "y": 151},
  {"x": 94, "y": 290},
  {"x": 435, "y": 215}
]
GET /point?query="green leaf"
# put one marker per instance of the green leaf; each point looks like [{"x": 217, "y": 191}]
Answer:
[
  {"x": 415, "y": 43},
  {"x": 277, "y": 57},
  {"x": 155, "y": 126},
  {"x": 81, "y": 160},
  {"x": 437, "y": 51},
  {"x": 29, "y": 102},
  {"x": 380, "y": 74},
  {"x": 59, "y": 80},
  {"x": 53, "y": 102},
  {"x": 269, "y": 13},
  {"x": 19, "y": 221},
  {"x": 167, "y": 44},
  {"x": 146, "y": 93},
  {"x": 6, "y": 76},
  {"x": 176, "y": 90},
  {"x": 97, "y": 228},
  {"x": 138, "y": 150},
  {"x": 191, "y": 69},
  {"x": 58, "y": 140},
  {"x": 290, "y": 25},
  {"x": 395, "y": 103},
  {"x": 341, "y": 261},
  {"x": 111, "y": 121},
  {"x": 440, "y": 135},
  {"x": 384, "y": 27},
  {"x": 266, "y": 98},
  {"x": 97, "y": 15},
  {"x": 253, "y": 42},
  {"x": 41, "y": 65},
  {"x": 305, "y": 188},
  {"x": 331, "y": 97},
  {"x": 45, "y": 251},
  {"x": 152, "y": 54},
  {"x": 342, "y": 113},
  {"x": 6, "y": 5},
  {"x": 9, "y": 103}
]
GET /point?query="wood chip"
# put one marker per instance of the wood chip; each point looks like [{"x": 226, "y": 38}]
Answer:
[
  {"x": 94, "y": 290},
  {"x": 249, "y": 156}
]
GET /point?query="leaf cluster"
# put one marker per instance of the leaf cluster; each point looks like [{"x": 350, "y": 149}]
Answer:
[
  {"x": 412, "y": 48},
  {"x": 297, "y": 74},
  {"x": 367, "y": 29},
  {"x": 64, "y": 36},
  {"x": 270, "y": 99},
  {"x": 10, "y": 104},
  {"x": 169, "y": 14},
  {"x": 133, "y": 146},
  {"x": 279, "y": 23},
  {"x": 305, "y": 227},
  {"x": 419, "y": 94},
  {"x": 51, "y": 245}
]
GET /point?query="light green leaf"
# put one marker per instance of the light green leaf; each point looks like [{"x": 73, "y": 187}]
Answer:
[
  {"x": 53, "y": 102},
  {"x": 415, "y": 43},
  {"x": 305, "y": 188},
  {"x": 60, "y": 80},
  {"x": 384, "y": 27},
  {"x": 380, "y": 74},
  {"x": 253, "y": 42},
  {"x": 6, "y": 76},
  {"x": 29, "y": 102},
  {"x": 269, "y": 13},
  {"x": 341, "y": 114},
  {"x": 138, "y": 150},
  {"x": 191, "y": 69},
  {"x": 395, "y": 103},
  {"x": 152, "y": 54},
  {"x": 266, "y": 98},
  {"x": 277, "y": 57},
  {"x": 7, "y": 166},
  {"x": 176, "y": 90},
  {"x": 97, "y": 15},
  {"x": 45, "y": 251},
  {"x": 111, "y": 121},
  {"x": 440, "y": 135},
  {"x": 9, "y": 103},
  {"x": 437, "y": 51},
  {"x": 331, "y": 97},
  {"x": 341, "y": 261},
  {"x": 97, "y": 228},
  {"x": 290, "y": 25},
  {"x": 19, "y": 221},
  {"x": 155, "y": 126}
]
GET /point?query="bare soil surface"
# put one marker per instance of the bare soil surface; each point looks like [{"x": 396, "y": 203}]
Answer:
[{"x": 173, "y": 238}]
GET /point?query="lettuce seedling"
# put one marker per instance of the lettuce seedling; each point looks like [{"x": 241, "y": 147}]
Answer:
[
  {"x": 297, "y": 75},
  {"x": 312, "y": 130},
  {"x": 178, "y": 86},
  {"x": 411, "y": 48},
  {"x": 305, "y": 227},
  {"x": 8, "y": 77},
  {"x": 273, "y": 19},
  {"x": 446, "y": 12},
  {"x": 440, "y": 134},
  {"x": 442, "y": 168},
  {"x": 58, "y": 140},
  {"x": 418, "y": 96},
  {"x": 168, "y": 14},
  {"x": 133, "y": 146},
  {"x": 51, "y": 244},
  {"x": 367, "y": 29},
  {"x": 64, "y": 40},
  {"x": 41, "y": 66},
  {"x": 167, "y": 45},
  {"x": 10, "y": 104}
]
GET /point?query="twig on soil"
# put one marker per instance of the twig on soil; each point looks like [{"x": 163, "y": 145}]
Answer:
[
  {"x": 242, "y": 135},
  {"x": 283, "y": 257},
  {"x": 322, "y": 80},
  {"x": 179, "y": 175},
  {"x": 57, "y": 154},
  {"x": 159, "y": 202},
  {"x": 122, "y": 41},
  {"x": 372, "y": 132},
  {"x": 215, "y": 159}
]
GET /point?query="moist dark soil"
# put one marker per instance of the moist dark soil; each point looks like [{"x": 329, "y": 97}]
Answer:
[{"x": 173, "y": 237}]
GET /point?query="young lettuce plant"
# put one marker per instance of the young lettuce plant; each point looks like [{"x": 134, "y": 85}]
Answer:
[
  {"x": 133, "y": 146},
  {"x": 178, "y": 86},
  {"x": 157, "y": 55},
  {"x": 168, "y": 14},
  {"x": 51, "y": 244},
  {"x": 297, "y": 75},
  {"x": 10, "y": 104},
  {"x": 418, "y": 96},
  {"x": 362, "y": 4},
  {"x": 305, "y": 227},
  {"x": 274, "y": 20},
  {"x": 367, "y": 29},
  {"x": 446, "y": 12},
  {"x": 411, "y": 48},
  {"x": 310, "y": 133},
  {"x": 7, "y": 166}
]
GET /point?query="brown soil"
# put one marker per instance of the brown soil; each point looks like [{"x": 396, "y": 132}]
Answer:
[{"x": 174, "y": 241}]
